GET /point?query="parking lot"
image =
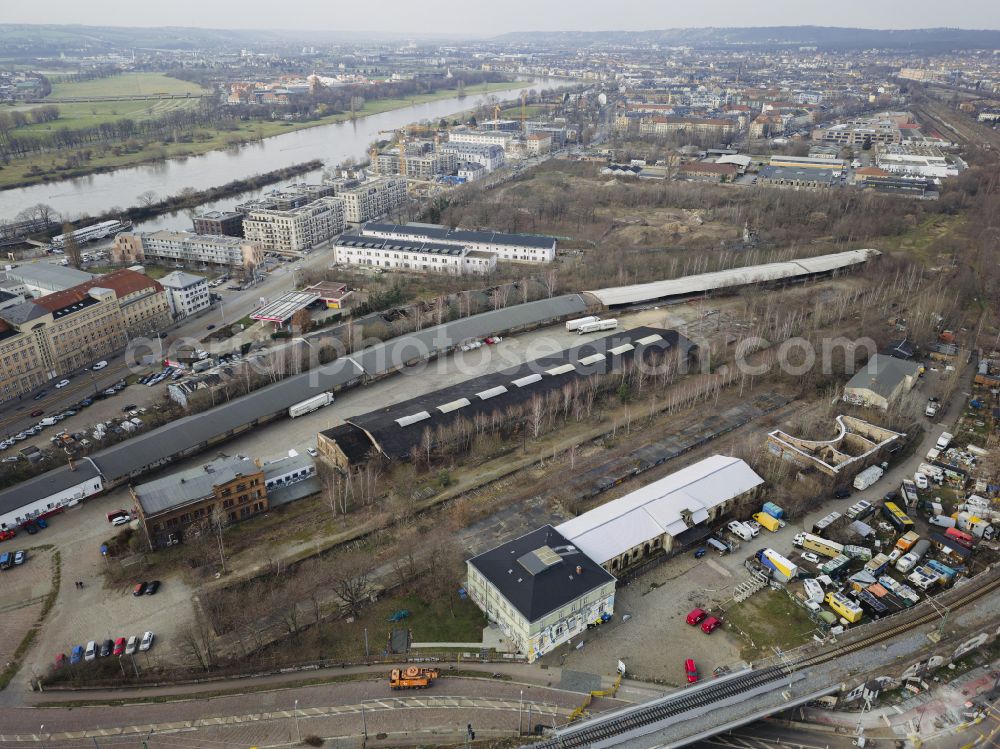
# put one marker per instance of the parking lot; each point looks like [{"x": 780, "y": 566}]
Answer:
[{"x": 23, "y": 588}]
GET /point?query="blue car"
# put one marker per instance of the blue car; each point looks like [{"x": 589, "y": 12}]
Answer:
[
  {"x": 41, "y": 523},
  {"x": 76, "y": 655},
  {"x": 700, "y": 552}
]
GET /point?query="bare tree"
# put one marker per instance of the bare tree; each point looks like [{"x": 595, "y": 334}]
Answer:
[
  {"x": 70, "y": 246},
  {"x": 351, "y": 579},
  {"x": 147, "y": 198}
]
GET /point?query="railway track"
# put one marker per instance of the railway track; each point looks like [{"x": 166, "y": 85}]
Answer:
[{"x": 598, "y": 731}]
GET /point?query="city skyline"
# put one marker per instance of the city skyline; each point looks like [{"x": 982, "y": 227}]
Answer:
[{"x": 453, "y": 17}]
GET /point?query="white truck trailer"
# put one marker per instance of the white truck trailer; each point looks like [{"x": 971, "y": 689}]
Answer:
[
  {"x": 572, "y": 325},
  {"x": 595, "y": 327},
  {"x": 310, "y": 404}
]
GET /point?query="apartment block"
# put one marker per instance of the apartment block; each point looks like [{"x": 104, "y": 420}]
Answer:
[
  {"x": 184, "y": 247},
  {"x": 219, "y": 223},
  {"x": 297, "y": 230},
  {"x": 483, "y": 137},
  {"x": 491, "y": 156},
  {"x": 372, "y": 199}
]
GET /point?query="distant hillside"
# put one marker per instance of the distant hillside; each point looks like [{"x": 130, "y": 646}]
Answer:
[{"x": 820, "y": 36}]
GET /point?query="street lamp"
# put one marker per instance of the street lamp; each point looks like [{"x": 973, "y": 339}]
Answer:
[
  {"x": 520, "y": 708},
  {"x": 298, "y": 736}
]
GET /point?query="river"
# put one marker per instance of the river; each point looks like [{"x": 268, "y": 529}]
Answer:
[{"x": 331, "y": 143}]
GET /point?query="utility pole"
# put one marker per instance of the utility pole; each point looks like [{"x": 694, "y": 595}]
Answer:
[{"x": 364, "y": 721}]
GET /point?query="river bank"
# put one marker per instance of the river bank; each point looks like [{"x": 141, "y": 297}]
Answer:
[{"x": 47, "y": 168}]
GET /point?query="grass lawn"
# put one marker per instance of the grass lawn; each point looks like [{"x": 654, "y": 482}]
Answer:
[
  {"x": 124, "y": 84},
  {"x": 771, "y": 620},
  {"x": 919, "y": 240},
  {"x": 78, "y": 115}
]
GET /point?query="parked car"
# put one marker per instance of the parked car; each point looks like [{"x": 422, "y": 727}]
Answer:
[
  {"x": 139, "y": 589},
  {"x": 19, "y": 557},
  {"x": 128, "y": 407},
  {"x": 61, "y": 384},
  {"x": 121, "y": 520},
  {"x": 42, "y": 523},
  {"x": 152, "y": 587},
  {"x": 691, "y": 671},
  {"x": 61, "y": 660},
  {"x": 119, "y": 646},
  {"x": 132, "y": 645},
  {"x": 100, "y": 365},
  {"x": 710, "y": 625},
  {"x": 696, "y": 617},
  {"x": 39, "y": 395},
  {"x": 31, "y": 528},
  {"x": 91, "y": 653},
  {"x": 76, "y": 654},
  {"x": 4, "y": 535},
  {"x": 106, "y": 647},
  {"x": 147, "y": 642},
  {"x": 700, "y": 552},
  {"x": 842, "y": 493},
  {"x": 810, "y": 557},
  {"x": 313, "y": 452}
]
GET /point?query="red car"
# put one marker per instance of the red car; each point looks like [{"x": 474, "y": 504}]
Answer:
[
  {"x": 119, "y": 646},
  {"x": 710, "y": 625},
  {"x": 60, "y": 660},
  {"x": 4, "y": 535},
  {"x": 691, "y": 670},
  {"x": 37, "y": 412},
  {"x": 696, "y": 617}
]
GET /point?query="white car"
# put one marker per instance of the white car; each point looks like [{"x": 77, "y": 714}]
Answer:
[
  {"x": 121, "y": 520},
  {"x": 62, "y": 383},
  {"x": 132, "y": 645},
  {"x": 810, "y": 557},
  {"x": 91, "y": 652},
  {"x": 100, "y": 365},
  {"x": 313, "y": 452},
  {"x": 147, "y": 642}
]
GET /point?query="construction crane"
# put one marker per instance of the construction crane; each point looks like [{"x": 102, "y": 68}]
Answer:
[
  {"x": 524, "y": 108},
  {"x": 497, "y": 111}
]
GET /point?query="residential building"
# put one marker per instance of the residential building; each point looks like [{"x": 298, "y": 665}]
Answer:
[
  {"x": 296, "y": 230},
  {"x": 55, "y": 334},
  {"x": 538, "y": 143},
  {"x": 540, "y": 590},
  {"x": 372, "y": 199},
  {"x": 219, "y": 223},
  {"x": 424, "y": 165},
  {"x": 470, "y": 171},
  {"x": 184, "y": 247},
  {"x": 882, "y": 381},
  {"x": 422, "y": 256},
  {"x": 226, "y": 490},
  {"x": 509, "y": 247},
  {"x": 482, "y": 137},
  {"x": 186, "y": 293},
  {"x": 506, "y": 126},
  {"x": 491, "y": 156},
  {"x": 701, "y": 126},
  {"x": 865, "y": 131},
  {"x": 662, "y": 517},
  {"x": 39, "y": 279},
  {"x": 558, "y": 133},
  {"x": 293, "y": 196}
]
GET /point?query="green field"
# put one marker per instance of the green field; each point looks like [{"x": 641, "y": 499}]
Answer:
[
  {"x": 16, "y": 172},
  {"x": 125, "y": 84}
]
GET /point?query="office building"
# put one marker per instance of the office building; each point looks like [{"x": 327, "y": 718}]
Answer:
[
  {"x": 296, "y": 230},
  {"x": 184, "y": 247},
  {"x": 186, "y": 293},
  {"x": 45, "y": 338},
  {"x": 219, "y": 223}
]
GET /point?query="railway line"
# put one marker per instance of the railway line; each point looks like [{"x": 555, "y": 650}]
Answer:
[
  {"x": 965, "y": 132},
  {"x": 601, "y": 731}
]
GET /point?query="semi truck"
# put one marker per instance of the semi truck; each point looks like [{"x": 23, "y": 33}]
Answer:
[
  {"x": 595, "y": 327},
  {"x": 412, "y": 677},
  {"x": 572, "y": 325},
  {"x": 310, "y": 404},
  {"x": 867, "y": 477}
]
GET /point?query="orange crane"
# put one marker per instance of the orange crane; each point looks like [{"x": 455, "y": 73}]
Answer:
[{"x": 412, "y": 677}]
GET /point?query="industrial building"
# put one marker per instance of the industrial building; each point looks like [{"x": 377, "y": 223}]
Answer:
[
  {"x": 856, "y": 445},
  {"x": 39, "y": 279},
  {"x": 540, "y": 590},
  {"x": 227, "y": 490},
  {"x": 49, "y": 492},
  {"x": 395, "y": 430},
  {"x": 883, "y": 380},
  {"x": 520, "y": 248},
  {"x": 798, "y": 176},
  {"x": 663, "y": 516}
]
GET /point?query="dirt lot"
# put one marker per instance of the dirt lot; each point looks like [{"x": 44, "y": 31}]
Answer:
[{"x": 22, "y": 592}]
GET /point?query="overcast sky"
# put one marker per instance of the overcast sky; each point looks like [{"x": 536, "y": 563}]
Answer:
[{"x": 490, "y": 17}]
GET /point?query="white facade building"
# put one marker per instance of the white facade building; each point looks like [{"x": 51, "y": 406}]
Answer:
[
  {"x": 296, "y": 230},
  {"x": 491, "y": 156},
  {"x": 186, "y": 293},
  {"x": 519, "y": 248},
  {"x": 185, "y": 247},
  {"x": 50, "y": 491},
  {"x": 398, "y": 254},
  {"x": 483, "y": 137}
]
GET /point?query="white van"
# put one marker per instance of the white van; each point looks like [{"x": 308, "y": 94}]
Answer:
[{"x": 739, "y": 529}]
